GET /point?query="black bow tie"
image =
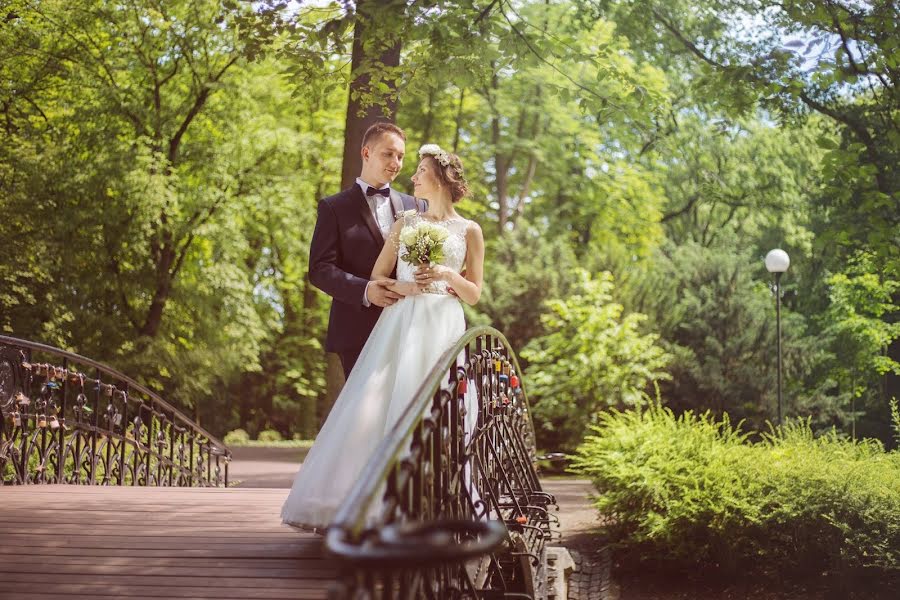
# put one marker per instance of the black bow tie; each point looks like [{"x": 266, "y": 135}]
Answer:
[{"x": 386, "y": 192}]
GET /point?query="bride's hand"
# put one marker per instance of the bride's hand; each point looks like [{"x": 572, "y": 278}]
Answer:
[{"x": 426, "y": 274}]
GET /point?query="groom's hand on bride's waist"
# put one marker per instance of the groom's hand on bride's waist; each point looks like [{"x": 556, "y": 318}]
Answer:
[{"x": 378, "y": 293}]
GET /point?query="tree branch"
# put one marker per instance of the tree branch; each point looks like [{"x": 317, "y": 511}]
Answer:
[
  {"x": 681, "y": 211},
  {"x": 199, "y": 102}
]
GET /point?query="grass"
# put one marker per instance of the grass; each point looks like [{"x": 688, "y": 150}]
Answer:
[{"x": 301, "y": 444}]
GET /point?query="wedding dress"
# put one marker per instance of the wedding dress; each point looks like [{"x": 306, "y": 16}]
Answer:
[{"x": 407, "y": 340}]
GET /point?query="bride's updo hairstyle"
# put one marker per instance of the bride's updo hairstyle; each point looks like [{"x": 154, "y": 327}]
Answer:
[{"x": 449, "y": 169}]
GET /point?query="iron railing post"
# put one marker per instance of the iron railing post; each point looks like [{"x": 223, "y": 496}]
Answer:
[
  {"x": 124, "y": 441},
  {"x": 467, "y": 477}
]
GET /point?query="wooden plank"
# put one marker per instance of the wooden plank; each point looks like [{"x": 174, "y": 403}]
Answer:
[
  {"x": 99, "y": 553},
  {"x": 189, "y": 563},
  {"x": 105, "y": 519},
  {"x": 27, "y": 595},
  {"x": 263, "y": 514},
  {"x": 101, "y": 590},
  {"x": 61, "y": 542},
  {"x": 254, "y": 543},
  {"x": 23, "y": 595},
  {"x": 143, "y": 492},
  {"x": 198, "y": 580},
  {"x": 141, "y": 529},
  {"x": 309, "y": 569}
]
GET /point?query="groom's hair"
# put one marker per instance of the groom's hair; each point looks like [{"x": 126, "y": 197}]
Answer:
[{"x": 374, "y": 132}]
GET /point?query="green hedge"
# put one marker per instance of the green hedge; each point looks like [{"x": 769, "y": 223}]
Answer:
[{"x": 694, "y": 490}]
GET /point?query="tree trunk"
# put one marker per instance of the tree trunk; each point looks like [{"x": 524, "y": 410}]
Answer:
[
  {"x": 501, "y": 162},
  {"x": 502, "y": 173},
  {"x": 164, "y": 277},
  {"x": 429, "y": 118},
  {"x": 525, "y": 189},
  {"x": 359, "y": 119},
  {"x": 370, "y": 16},
  {"x": 459, "y": 115}
]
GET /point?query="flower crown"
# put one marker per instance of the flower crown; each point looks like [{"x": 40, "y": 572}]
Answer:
[{"x": 434, "y": 150}]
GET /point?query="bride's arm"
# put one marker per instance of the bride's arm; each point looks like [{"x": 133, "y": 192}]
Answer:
[
  {"x": 387, "y": 260},
  {"x": 468, "y": 286}
]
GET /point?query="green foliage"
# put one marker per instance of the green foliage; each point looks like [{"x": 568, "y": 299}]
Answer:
[
  {"x": 157, "y": 208},
  {"x": 527, "y": 268},
  {"x": 236, "y": 437},
  {"x": 592, "y": 357},
  {"x": 821, "y": 57},
  {"x": 855, "y": 318},
  {"x": 895, "y": 421},
  {"x": 298, "y": 444},
  {"x": 694, "y": 490},
  {"x": 269, "y": 435},
  {"x": 858, "y": 325},
  {"x": 161, "y": 193},
  {"x": 717, "y": 318}
]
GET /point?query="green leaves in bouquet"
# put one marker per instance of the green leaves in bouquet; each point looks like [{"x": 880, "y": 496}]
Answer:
[{"x": 424, "y": 243}]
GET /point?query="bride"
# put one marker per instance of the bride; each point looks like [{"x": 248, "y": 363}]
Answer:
[{"x": 407, "y": 340}]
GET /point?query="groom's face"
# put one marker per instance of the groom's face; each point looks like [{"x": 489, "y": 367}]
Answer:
[{"x": 383, "y": 159}]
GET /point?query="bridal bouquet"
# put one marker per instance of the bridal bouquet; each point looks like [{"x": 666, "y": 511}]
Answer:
[{"x": 424, "y": 243}]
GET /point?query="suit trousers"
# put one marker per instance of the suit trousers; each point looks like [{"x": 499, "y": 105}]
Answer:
[{"x": 348, "y": 359}]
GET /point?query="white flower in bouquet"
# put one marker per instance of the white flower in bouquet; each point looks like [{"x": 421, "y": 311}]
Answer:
[{"x": 424, "y": 243}]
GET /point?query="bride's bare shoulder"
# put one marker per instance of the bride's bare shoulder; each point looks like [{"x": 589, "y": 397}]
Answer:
[{"x": 473, "y": 230}]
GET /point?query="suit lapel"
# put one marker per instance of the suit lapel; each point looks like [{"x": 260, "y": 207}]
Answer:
[
  {"x": 368, "y": 217},
  {"x": 397, "y": 203}
]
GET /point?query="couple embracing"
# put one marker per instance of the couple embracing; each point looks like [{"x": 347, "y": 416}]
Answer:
[{"x": 391, "y": 319}]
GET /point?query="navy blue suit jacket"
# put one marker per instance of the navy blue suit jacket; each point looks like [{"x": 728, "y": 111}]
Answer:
[{"x": 343, "y": 251}]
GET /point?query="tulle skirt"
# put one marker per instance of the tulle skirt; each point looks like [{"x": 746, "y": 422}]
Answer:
[{"x": 406, "y": 342}]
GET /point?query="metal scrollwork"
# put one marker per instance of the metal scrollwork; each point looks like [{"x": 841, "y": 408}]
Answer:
[
  {"x": 68, "y": 419},
  {"x": 10, "y": 380},
  {"x": 451, "y": 506}
]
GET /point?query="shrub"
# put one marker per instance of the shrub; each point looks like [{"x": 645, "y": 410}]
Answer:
[
  {"x": 236, "y": 437},
  {"x": 269, "y": 435},
  {"x": 696, "y": 491},
  {"x": 593, "y": 356}
]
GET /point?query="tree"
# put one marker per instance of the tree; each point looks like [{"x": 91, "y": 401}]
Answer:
[
  {"x": 860, "y": 337},
  {"x": 129, "y": 164},
  {"x": 528, "y": 268},
  {"x": 592, "y": 357},
  {"x": 715, "y": 315}
]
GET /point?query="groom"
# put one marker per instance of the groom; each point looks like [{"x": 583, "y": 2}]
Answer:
[{"x": 350, "y": 231}]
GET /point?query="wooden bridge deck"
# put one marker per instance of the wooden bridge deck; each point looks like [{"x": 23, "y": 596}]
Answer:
[{"x": 127, "y": 542}]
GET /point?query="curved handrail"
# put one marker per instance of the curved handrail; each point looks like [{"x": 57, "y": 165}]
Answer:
[
  {"x": 131, "y": 447},
  {"x": 351, "y": 514},
  {"x": 352, "y": 536},
  {"x": 118, "y": 375}
]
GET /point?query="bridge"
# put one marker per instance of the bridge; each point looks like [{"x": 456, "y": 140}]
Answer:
[{"x": 108, "y": 490}]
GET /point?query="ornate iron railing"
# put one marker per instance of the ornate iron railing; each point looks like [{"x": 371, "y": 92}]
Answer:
[
  {"x": 69, "y": 419},
  {"x": 451, "y": 506}
]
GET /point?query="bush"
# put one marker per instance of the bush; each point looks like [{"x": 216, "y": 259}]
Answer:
[
  {"x": 269, "y": 435},
  {"x": 594, "y": 356},
  {"x": 236, "y": 437},
  {"x": 696, "y": 491}
]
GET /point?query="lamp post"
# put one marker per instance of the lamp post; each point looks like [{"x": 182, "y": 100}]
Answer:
[{"x": 777, "y": 262}]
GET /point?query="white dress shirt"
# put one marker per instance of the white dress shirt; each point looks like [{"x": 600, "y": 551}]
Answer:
[
  {"x": 380, "y": 207},
  {"x": 384, "y": 217}
]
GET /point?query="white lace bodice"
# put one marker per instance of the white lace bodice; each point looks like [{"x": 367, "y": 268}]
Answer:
[{"x": 454, "y": 251}]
